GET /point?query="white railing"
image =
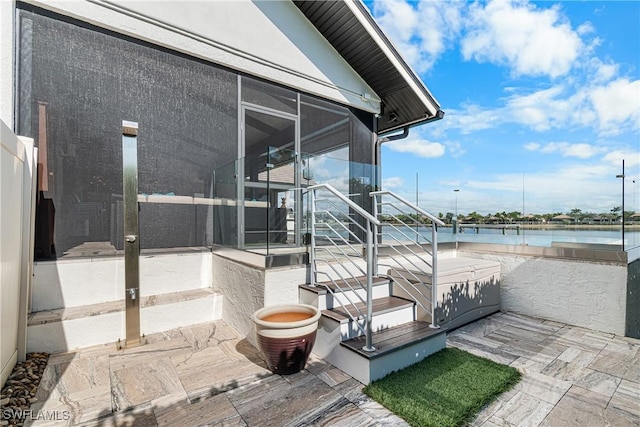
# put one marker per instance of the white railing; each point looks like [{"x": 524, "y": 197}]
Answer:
[
  {"x": 411, "y": 257},
  {"x": 343, "y": 233}
]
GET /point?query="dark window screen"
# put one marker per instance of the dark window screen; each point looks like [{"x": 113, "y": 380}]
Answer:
[{"x": 76, "y": 85}]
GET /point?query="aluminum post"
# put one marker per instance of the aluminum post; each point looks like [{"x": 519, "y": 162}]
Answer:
[
  {"x": 369, "y": 330},
  {"x": 131, "y": 230}
]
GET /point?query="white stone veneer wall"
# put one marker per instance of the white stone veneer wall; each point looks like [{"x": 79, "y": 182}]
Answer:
[
  {"x": 587, "y": 294},
  {"x": 247, "y": 288}
]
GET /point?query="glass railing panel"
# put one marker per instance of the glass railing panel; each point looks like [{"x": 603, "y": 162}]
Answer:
[{"x": 544, "y": 223}]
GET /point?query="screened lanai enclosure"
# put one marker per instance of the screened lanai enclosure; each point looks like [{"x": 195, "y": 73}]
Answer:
[{"x": 223, "y": 158}]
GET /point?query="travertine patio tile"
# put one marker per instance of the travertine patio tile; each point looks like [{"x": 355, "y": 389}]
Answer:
[
  {"x": 211, "y": 371},
  {"x": 139, "y": 417},
  {"x": 599, "y": 382},
  {"x": 577, "y": 356},
  {"x": 623, "y": 349},
  {"x": 569, "y": 341},
  {"x": 543, "y": 387},
  {"x": 172, "y": 334},
  {"x": 524, "y": 410},
  {"x": 142, "y": 383},
  {"x": 536, "y": 352},
  {"x": 216, "y": 410},
  {"x": 482, "y": 327},
  {"x": 279, "y": 401},
  {"x": 208, "y": 334},
  {"x": 488, "y": 411},
  {"x": 352, "y": 390},
  {"x": 76, "y": 408},
  {"x": 381, "y": 414},
  {"x": 626, "y": 399},
  {"x": 526, "y": 365},
  {"x": 147, "y": 354},
  {"x": 581, "y": 407},
  {"x": 497, "y": 422},
  {"x": 530, "y": 323},
  {"x": 589, "y": 379},
  {"x": 333, "y": 377},
  {"x": 515, "y": 332},
  {"x": 622, "y": 367},
  {"x": 484, "y": 341},
  {"x": 499, "y": 355}
]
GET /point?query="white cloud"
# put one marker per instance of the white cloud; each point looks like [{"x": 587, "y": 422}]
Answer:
[
  {"x": 631, "y": 158},
  {"x": 392, "y": 182},
  {"x": 617, "y": 106},
  {"x": 609, "y": 109},
  {"x": 420, "y": 31},
  {"x": 529, "y": 40},
  {"x": 581, "y": 151},
  {"x": 419, "y": 147},
  {"x": 455, "y": 148}
]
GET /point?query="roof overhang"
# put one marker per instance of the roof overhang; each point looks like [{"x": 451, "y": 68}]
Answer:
[{"x": 350, "y": 28}]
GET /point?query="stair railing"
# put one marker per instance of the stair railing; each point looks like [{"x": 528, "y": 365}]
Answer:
[
  {"x": 334, "y": 223},
  {"x": 412, "y": 256}
]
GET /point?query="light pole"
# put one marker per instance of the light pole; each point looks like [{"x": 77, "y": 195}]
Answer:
[
  {"x": 455, "y": 214},
  {"x": 621, "y": 176}
]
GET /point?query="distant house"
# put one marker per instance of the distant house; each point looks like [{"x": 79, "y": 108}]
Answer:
[{"x": 563, "y": 219}]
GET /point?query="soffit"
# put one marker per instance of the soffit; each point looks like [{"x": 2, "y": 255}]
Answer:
[{"x": 352, "y": 31}]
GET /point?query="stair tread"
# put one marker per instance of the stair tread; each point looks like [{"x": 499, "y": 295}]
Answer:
[
  {"x": 394, "y": 338},
  {"x": 380, "y": 305},
  {"x": 70, "y": 313}
]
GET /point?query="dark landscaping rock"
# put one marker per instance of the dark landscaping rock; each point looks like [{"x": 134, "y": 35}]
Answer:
[{"x": 20, "y": 389}]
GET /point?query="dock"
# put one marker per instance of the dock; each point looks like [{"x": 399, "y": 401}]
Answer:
[{"x": 460, "y": 228}]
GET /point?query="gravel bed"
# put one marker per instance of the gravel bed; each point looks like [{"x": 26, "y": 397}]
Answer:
[{"x": 19, "y": 392}]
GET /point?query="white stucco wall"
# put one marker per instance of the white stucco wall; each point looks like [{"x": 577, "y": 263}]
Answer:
[
  {"x": 247, "y": 288},
  {"x": 269, "y": 39},
  {"x": 587, "y": 294},
  {"x": 73, "y": 283},
  {"x": 242, "y": 287}
]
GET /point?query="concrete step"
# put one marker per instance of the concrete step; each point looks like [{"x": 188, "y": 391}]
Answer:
[
  {"x": 395, "y": 348},
  {"x": 65, "y": 329}
]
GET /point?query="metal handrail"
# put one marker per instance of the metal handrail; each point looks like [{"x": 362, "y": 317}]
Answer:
[
  {"x": 371, "y": 229},
  {"x": 409, "y": 269},
  {"x": 409, "y": 204}
]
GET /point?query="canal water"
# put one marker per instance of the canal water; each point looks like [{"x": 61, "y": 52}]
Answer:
[{"x": 511, "y": 236}]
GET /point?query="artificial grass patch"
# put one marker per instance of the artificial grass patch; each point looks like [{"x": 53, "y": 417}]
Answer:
[{"x": 446, "y": 389}]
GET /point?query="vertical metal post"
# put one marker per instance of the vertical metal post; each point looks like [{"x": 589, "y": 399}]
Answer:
[
  {"x": 622, "y": 176},
  {"x": 375, "y": 236},
  {"x": 312, "y": 237},
  {"x": 434, "y": 274},
  {"x": 369, "y": 330},
  {"x": 131, "y": 240}
]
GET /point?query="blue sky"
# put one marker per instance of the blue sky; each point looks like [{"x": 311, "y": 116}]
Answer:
[{"x": 542, "y": 103}]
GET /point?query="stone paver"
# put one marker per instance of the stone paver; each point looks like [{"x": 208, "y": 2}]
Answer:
[
  {"x": 209, "y": 375},
  {"x": 571, "y": 376}
]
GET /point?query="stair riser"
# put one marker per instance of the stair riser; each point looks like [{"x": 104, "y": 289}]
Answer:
[
  {"x": 64, "y": 283},
  {"x": 328, "y": 301},
  {"x": 368, "y": 370},
  {"x": 349, "y": 329},
  {"x": 107, "y": 328}
]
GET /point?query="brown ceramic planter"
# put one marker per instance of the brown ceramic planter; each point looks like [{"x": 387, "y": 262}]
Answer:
[{"x": 285, "y": 334}]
